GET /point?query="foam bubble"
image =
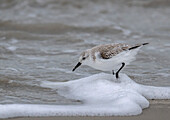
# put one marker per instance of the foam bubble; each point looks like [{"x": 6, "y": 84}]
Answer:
[{"x": 101, "y": 95}]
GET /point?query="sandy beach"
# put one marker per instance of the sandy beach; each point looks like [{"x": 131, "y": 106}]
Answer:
[{"x": 158, "y": 110}]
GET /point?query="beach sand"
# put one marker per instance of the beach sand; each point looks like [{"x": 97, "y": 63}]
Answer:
[{"x": 158, "y": 110}]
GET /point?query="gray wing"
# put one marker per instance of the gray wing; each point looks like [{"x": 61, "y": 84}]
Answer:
[{"x": 108, "y": 51}]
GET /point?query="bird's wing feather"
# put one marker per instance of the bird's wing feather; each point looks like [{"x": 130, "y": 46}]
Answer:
[{"x": 108, "y": 51}]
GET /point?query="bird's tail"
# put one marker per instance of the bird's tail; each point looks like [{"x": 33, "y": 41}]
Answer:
[{"x": 136, "y": 46}]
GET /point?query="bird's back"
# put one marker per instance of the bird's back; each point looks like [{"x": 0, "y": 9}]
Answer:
[{"x": 109, "y": 50}]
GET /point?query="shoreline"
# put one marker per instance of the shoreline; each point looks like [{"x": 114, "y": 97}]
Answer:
[{"x": 158, "y": 110}]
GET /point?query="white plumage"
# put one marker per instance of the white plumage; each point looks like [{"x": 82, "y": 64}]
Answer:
[{"x": 108, "y": 57}]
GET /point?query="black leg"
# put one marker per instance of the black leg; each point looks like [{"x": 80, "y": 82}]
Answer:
[
  {"x": 113, "y": 72},
  {"x": 117, "y": 73}
]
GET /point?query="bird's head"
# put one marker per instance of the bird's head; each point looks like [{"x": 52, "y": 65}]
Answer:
[{"x": 83, "y": 59}]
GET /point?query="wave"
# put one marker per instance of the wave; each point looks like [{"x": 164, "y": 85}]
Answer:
[{"x": 99, "y": 95}]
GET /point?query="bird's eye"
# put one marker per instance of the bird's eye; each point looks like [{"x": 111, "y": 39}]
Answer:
[{"x": 83, "y": 58}]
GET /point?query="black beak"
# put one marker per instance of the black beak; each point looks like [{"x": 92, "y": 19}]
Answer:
[{"x": 78, "y": 64}]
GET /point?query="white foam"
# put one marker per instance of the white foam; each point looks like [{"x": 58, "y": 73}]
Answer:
[
  {"x": 125, "y": 31},
  {"x": 12, "y": 48},
  {"x": 101, "y": 95}
]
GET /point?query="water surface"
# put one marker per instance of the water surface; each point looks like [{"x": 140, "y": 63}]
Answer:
[{"x": 41, "y": 41}]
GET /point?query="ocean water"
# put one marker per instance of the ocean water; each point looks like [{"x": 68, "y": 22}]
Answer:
[{"x": 40, "y": 41}]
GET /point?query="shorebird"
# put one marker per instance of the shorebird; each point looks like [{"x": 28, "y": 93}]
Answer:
[{"x": 109, "y": 56}]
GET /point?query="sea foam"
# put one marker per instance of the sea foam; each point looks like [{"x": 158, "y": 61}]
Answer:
[{"x": 101, "y": 95}]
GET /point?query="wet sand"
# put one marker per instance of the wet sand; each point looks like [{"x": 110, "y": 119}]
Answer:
[{"x": 158, "y": 110}]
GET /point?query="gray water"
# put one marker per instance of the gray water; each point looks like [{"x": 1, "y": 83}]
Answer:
[{"x": 41, "y": 40}]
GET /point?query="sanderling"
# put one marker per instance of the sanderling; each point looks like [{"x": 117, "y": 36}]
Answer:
[{"x": 108, "y": 57}]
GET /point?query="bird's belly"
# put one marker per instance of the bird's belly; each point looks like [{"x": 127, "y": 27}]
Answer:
[
  {"x": 112, "y": 65},
  {"x": 105, "y": 66}
]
